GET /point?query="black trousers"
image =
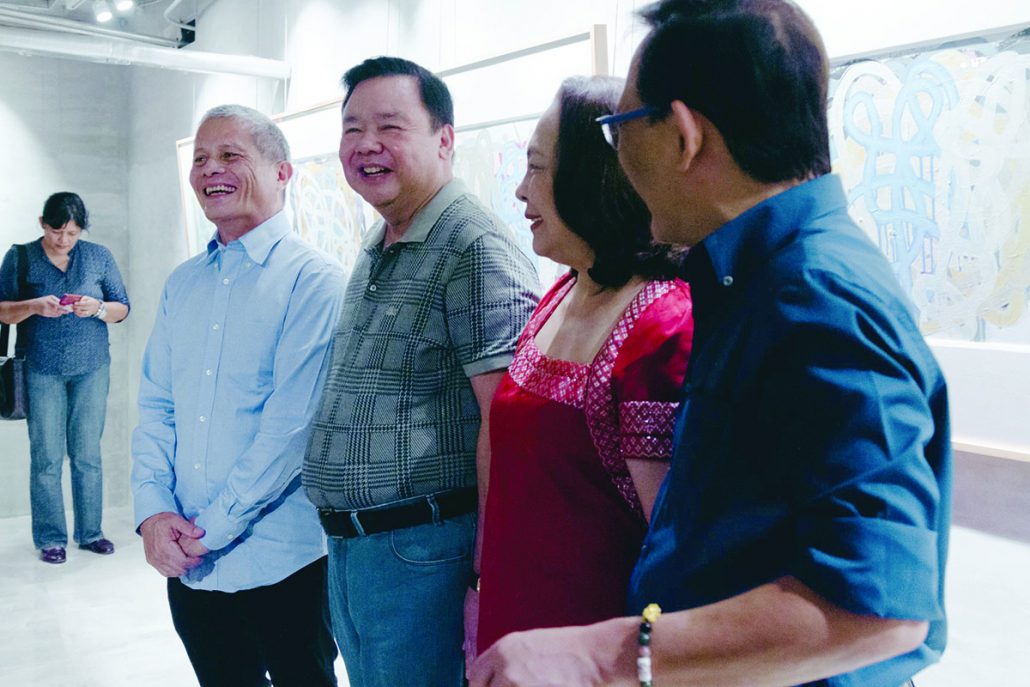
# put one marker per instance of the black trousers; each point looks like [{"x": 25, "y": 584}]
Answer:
[{"x": 284, "y": 629}]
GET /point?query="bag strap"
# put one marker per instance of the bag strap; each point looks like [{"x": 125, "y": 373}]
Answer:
[
  {"x": 23, "y": 270},
  {"x": 23, "y": 279}
]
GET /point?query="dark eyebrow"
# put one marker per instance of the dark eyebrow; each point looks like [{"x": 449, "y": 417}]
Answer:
[{"x": 378, "y": 116}]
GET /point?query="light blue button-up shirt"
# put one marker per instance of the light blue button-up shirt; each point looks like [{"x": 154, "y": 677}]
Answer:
[{"x": 231, "y": 376}]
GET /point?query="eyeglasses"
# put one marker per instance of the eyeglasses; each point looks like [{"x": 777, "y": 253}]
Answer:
[{"x": 610, "y": 123}]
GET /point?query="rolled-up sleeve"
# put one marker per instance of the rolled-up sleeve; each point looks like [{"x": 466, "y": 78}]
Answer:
[
  {"x": 111, "y": 283},
  {"x": 850, "y": 421}
]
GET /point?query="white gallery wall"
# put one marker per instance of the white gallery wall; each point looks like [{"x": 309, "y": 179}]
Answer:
[{"x": 109, "y": 132}]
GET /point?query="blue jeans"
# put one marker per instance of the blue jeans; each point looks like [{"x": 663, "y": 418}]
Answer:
[
  {"x": 396, "y": 600},
  {"x": 66, "y": 414}
]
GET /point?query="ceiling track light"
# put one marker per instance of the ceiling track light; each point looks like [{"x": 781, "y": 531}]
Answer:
[
  {"x": 124, "y": 5},
  {"x": 102, "y": 11}
]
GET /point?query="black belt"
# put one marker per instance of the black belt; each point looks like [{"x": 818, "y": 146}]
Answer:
[{"x": 434, "y": 507}]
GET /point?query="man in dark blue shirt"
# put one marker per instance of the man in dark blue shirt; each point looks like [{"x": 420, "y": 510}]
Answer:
[{"x": 801, "y": 535}]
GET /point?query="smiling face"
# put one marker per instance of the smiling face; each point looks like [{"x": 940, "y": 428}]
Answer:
[
  {"x": 552, "y": 237},
  {"x": 391, "y": 155},
  {"x": 237, "y": 186},
  {"x": 59, "y": 241}
]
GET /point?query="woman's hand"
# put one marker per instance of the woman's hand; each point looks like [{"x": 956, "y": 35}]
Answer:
[
  {"x": 471, "y": 627},
  {"x": 86, "y": 307},
  {"x": 49, "y": 306}
]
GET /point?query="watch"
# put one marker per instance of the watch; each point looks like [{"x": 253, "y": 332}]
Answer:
[{"x": 101, "y": 311}]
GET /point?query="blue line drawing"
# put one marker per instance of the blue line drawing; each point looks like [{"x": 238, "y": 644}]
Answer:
[{"x": 934, "y": 151}]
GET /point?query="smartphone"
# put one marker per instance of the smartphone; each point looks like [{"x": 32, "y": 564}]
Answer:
[{"x": 69, "y": 298}]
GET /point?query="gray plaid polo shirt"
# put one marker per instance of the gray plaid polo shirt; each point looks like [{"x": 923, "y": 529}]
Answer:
[{"x": 398, "y": 417}]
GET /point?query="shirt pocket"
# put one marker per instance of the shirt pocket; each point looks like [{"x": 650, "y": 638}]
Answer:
[{"x": 249, "y": 346}]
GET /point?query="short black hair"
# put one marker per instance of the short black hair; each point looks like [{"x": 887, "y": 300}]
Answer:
[
  {"x": 435, "y": 95},
  {"x": 63, "y": 207},
  {"x": 592, "y": 194},
  {"x": 756, "y": 69}
]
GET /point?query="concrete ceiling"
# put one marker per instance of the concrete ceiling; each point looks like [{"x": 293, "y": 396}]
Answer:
[{"x": 147, "y": 35}]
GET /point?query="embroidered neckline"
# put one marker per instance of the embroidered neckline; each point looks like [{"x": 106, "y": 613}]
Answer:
[
  {"x": 562, "y": 381},
  {"x": 587, "y": 387}
]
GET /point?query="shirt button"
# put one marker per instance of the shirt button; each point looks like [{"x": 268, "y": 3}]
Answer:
[
  {"x": 208, "y": 372},
  {"x": 203, "y": 418},
  {"x": 727, "y": 281},
  {"x": 196, "y": 466},
  {"x": 225, "y": 281},
  {"x": 372, "y": 287},
  {"x": 214, "y": 326}
]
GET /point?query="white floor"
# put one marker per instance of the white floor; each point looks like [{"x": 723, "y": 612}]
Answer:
[
  {"x": 94, "y": 621},
  {"x": 102, "y": 621}
]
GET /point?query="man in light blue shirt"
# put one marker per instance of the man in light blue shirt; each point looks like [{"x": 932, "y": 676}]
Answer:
[{"x": 231, "y": 377}]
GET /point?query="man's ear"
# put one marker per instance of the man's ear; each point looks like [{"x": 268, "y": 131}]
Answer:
[
  {"x": 285, "y": 172},
  {"x": 446, "y": 139},
  {"x": 691, "y": 133}
]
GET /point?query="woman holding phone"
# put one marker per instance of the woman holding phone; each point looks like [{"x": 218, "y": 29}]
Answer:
[{"x": 69, "y": 291}]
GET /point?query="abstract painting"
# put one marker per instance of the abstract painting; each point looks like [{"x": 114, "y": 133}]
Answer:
[
  {"x": 934, "y": 151},
  {"x": 325, "y": 211}
]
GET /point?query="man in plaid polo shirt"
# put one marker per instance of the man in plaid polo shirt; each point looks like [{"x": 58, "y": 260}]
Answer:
[{"x": 431, "y": 316}]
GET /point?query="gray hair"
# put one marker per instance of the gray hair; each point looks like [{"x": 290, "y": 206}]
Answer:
[{"x": 268, "y": 137}]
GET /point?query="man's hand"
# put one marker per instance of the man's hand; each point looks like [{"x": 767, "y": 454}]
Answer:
[
  {"x": 191, "y": 546},
  {"x": 161, "y": 543},
  {"x": 49, "y": 306},
  {"x": 558, "y": 657}
]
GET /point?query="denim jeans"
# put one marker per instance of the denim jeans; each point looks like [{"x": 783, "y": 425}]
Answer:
[
  {"x": 396, "y": 600},
  {"x": 66, "y": 414}
]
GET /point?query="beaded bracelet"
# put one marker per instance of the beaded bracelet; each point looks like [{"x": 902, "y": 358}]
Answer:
[{"x": 644, "y": 673}]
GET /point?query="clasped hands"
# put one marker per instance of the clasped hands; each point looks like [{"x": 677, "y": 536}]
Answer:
[{"x": 172, "y": 543}]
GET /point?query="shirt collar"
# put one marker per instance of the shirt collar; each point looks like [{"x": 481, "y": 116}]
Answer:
[
  {"x": 739, "y": 247},
  {"x": 259, "y": 241},
  {"x": 426, "y": 218}
]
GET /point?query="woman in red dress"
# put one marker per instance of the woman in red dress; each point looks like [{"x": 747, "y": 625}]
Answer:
[{"x": 581, "y": 425}]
